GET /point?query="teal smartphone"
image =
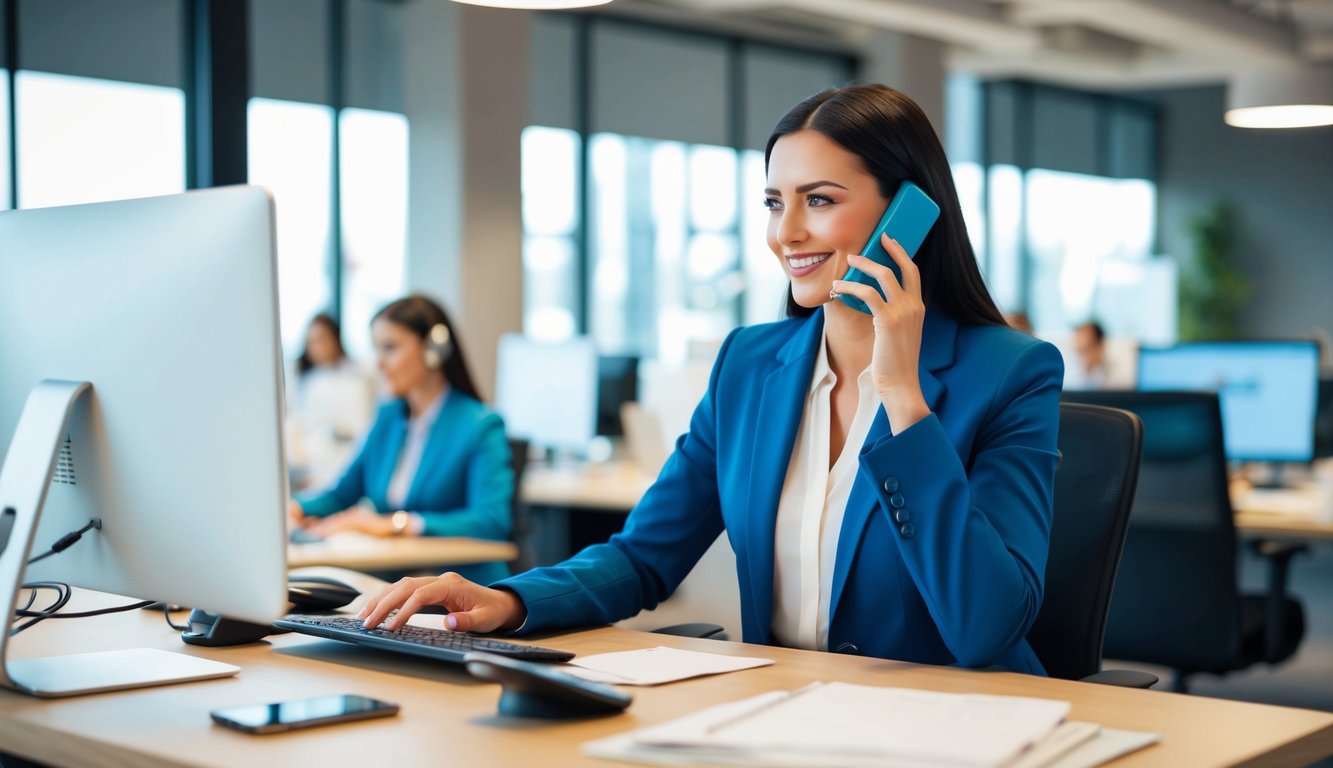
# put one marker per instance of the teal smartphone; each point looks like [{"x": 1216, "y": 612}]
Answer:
[{"x": 908, "y": 219}]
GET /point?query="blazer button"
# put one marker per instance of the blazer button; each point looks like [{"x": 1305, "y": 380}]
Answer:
[
  {"x": 902, "y": 516},
  {"x": 891, "y": 485},
  {"x": 897, "y": 501},
  {"x": 908, "y": 530},
  {"x": 848, "y": 648}
]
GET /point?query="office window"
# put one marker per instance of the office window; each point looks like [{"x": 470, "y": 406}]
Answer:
[
  {"x": 373, "y": 161},
  {"x": 5, "y": 202},
  {"x": 664, "y": 254},
  {"x": 83, "y": 140},
  {"x": 1004, "y": 243},
  {"x": 291, "y": 153},
  {"x": 550, "y": 174},
  {"x": 1078, "y": 227}
]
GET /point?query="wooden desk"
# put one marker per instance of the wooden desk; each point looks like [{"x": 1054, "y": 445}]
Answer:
[
  {"x": 368, "y": 553},
  {"x": 612, "y": 487},
  {"x": 449, "y": 718},
  {"x": 1282, "y": 514}
]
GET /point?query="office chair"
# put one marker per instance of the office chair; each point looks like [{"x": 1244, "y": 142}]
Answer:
[
  {"x": 521, "y": 528},
  {"x": 1094, "y": 491},
  {"x": 1176, "y": 600}
]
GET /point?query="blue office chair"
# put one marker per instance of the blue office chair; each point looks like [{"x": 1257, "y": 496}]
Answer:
[{"x": 1176, "y": 601}]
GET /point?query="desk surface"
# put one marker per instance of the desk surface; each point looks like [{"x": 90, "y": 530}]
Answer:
[
  {"x": 367, "y": 553},
  {"x": 449, "y": 718},
  {"x": 612, "y": 487}
]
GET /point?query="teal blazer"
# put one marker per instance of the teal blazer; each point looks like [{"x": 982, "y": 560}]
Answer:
[
  {"x": 464, "y": 485},
  {"x": 942, "y": 551}
]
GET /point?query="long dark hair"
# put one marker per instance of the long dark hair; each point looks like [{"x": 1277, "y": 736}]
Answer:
[
  {"x": 303, "y": 363},
  {"x": 894, "y": 139},
  {"x": 419, "y": 315}
]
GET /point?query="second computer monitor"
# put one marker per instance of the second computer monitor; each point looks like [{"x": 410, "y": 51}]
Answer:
[
  {"x": 1267, "y": 390},
  {"x": 547, "y": 391}
]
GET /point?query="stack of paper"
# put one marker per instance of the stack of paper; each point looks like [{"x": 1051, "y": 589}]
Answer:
[{"x": 854, "y": 725}]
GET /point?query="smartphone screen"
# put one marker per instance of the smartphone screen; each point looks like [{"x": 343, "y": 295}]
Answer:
[
  {"x": 908, "y": 220},
  {"x": 302, "y": 713}
]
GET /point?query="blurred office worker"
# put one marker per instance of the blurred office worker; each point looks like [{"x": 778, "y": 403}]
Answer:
[
  {"x": 330, "y": 402},
  {"x": 436, "y": 461},
  {"x": 884, "y": 479}
]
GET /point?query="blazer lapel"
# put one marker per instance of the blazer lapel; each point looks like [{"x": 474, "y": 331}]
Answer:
[
  {"x": 937, "y": 350},
  {"x": 781, "y": 405}
]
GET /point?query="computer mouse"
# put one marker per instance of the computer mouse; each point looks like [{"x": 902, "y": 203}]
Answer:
[
  {"x": 531, "y": 689},
  {"x": 319, "y": 593}
]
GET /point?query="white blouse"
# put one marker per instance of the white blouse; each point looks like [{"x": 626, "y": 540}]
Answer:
[
  {"x": 409, "y": 457},
  {"x": 810, "y": 510}
]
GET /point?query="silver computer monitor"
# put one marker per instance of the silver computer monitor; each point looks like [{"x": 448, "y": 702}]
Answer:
[{"x": 167, "y": 306}]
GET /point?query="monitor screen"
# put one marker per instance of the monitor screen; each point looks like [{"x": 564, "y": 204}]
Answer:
[
  {"x": 167, "y": 306},
  {"x": 1267, "y": 391},
  {"x": 547, "y": 391}
]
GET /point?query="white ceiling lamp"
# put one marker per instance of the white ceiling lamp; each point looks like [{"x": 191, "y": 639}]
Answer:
[
  {"x": 535, "y": 5},
  {"x": 1281, "y": 98}
]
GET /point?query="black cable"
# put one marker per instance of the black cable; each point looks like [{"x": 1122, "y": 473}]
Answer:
[
  {"x": 66, "y": 541},
  {"x": 63, "y": 594},
  {"x": 51, "y": 613},
  {"x": 166, "y": 614}
]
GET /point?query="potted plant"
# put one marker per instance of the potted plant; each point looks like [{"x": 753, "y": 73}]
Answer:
[{"x": 1212, "y": 288}]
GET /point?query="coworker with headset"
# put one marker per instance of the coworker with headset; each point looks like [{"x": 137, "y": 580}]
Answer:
[
  {"x": 885, "y": 479},
  {"x": 436, "y": 461}
]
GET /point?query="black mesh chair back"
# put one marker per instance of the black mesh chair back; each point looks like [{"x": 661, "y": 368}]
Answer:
[
  {"x": 1176, "y": 601},
  {"x": 1094, "y": 490},
  {"x": 521, "y": 529}
]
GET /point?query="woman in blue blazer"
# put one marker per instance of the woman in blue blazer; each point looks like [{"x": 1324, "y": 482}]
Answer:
[
  {"x": 436, "y": 461},
  {"x": 884, "y": 479}
]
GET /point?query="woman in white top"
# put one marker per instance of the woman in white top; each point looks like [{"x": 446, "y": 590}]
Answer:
[{"x": 330, "y": 403}]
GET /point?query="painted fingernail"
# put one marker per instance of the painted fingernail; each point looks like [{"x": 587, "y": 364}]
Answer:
[{"x": 451, "y": 621}]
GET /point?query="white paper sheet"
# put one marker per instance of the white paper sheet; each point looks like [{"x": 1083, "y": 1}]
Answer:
[{"x": 654, "y": 666}]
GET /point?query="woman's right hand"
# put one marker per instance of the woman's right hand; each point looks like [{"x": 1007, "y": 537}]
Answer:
[
  {"x": 295, "y": 515},
  {"x": 472, "y": 607}
]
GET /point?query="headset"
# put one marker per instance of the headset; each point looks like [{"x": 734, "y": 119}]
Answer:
[{"x": 439, "y": 346}]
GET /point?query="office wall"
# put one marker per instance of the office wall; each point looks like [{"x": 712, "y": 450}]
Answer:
[
  {"x": 1282, "y": 182},
  {"x": 465, "y": 94}
]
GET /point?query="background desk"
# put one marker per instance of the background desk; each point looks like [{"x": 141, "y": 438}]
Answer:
[
  {"x": 368, "y": 553},
  {"x": 449, "y": 718},
  {"x": 1282, "y": 514}
]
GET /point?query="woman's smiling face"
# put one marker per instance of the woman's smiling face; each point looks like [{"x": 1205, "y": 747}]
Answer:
[{"x": 823, "y": 204}]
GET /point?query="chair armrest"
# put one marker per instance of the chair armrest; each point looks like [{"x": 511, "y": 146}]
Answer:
[
  {"x": 1123, "y": 678},
  {"x": 693, "y": 629}
]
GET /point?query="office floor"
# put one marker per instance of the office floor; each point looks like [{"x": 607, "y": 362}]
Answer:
[{"x": 1307, "y": 679}]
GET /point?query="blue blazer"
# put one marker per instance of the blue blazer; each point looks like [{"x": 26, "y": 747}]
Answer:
[
  {"x": 464, "y": 485},
  {"x": 943, "y": 545}
]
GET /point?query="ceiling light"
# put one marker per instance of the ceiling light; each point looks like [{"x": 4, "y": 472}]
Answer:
[
  {"x": 535, "y": 5},
  {"x": 1281, "y": 98}
]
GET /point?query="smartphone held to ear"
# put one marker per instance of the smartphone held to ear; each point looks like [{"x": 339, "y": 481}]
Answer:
[
  {"x": 908, "y": 220},
  {"x": 304, "y": 713}
]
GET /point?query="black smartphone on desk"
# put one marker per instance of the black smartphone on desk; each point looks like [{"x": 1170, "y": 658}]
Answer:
[{"x": 303, "y": 713}]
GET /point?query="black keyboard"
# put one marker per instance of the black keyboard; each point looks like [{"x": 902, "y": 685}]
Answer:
[{"x": 432, "y": 643}]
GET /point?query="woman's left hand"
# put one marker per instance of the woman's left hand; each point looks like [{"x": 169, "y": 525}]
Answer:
[
  {"x": 898, "y": 322},
  {"x": 356, "y": 519}
]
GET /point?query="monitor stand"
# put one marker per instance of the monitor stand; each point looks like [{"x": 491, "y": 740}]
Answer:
[{"x": 24, "y": 480}]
